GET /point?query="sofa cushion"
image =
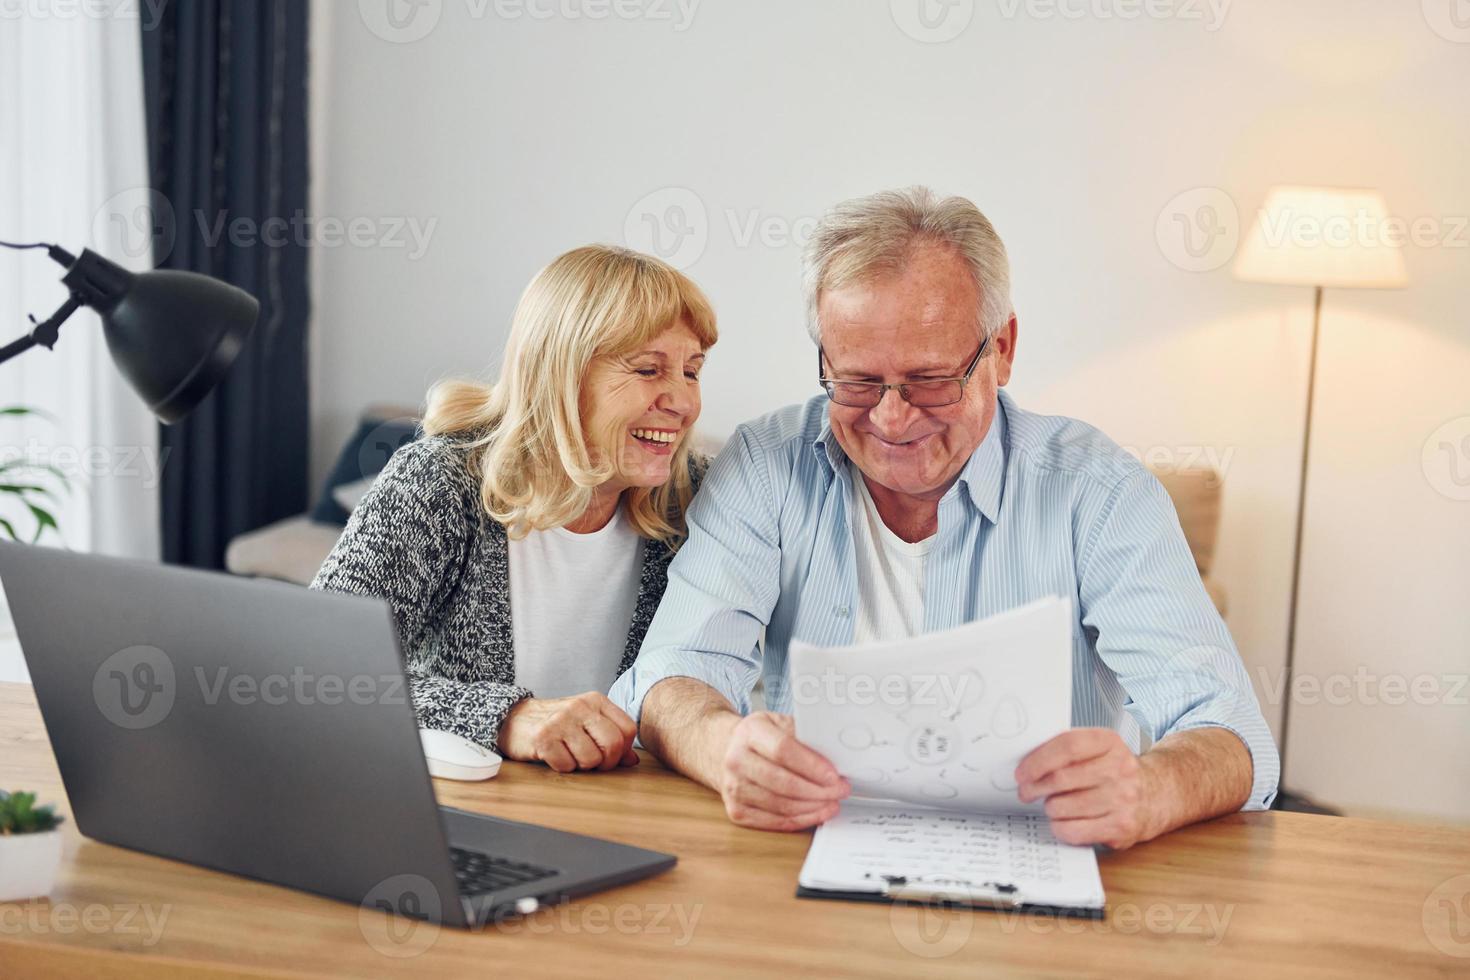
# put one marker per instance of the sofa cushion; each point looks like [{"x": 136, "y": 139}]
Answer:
[
  {"x": 291, "y": 550},
  {"x": 378, "y": 436}
]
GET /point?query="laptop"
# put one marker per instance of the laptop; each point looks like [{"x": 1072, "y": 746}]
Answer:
[{"x": 263, "y": 729}]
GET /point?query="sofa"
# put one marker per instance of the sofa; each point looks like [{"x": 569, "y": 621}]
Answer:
[{"x": 293, "y": 549}]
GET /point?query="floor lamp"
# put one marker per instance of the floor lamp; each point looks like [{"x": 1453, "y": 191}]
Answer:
[{"x": 1321, "y": 237}]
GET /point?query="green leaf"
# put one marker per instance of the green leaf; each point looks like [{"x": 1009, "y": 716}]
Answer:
[
  {"x": 46, "y": 492},
  {"x": 43, "y": 521},
  {"x": 25, "y": 464},
  {"x": 18, "y": 815},
  {"x": 24, "y": 488},
  {"x": 21, "y": 410},
  {"x": 10, "y": 530}
]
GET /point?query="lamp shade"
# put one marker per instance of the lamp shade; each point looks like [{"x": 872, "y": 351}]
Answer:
[
  {"x": 172, "y": 334},
  {"x": 175, "y": 334},
  {"x": 1324, "y": 236}
]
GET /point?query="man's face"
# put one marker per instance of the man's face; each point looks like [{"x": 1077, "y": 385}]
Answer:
[{"x": 918, "y": 324}]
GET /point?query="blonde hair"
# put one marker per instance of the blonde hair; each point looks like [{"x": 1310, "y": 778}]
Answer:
[
  {"x": 536, "y": 463},
  {"x": 867, "y": 237}
]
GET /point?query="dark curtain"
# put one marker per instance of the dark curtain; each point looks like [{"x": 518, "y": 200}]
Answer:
[{"x": 225, "y": 89}]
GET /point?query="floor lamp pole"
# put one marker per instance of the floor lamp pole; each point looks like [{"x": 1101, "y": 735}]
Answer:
[{"x": 1301, "y": 513}]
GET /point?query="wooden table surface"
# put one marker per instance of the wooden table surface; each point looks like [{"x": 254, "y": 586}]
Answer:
[{"x": 1248, "y": 895}]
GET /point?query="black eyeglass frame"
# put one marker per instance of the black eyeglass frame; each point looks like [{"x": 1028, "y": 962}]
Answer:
[{"x": 828, "y": 384}]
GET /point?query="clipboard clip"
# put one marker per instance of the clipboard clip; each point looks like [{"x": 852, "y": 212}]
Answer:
[{"x": 987, "y": 894}]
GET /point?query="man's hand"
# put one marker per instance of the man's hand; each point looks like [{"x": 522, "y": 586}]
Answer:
[
  {"x": 586, "y": 731},
  {"x": 1096, "y": 790},
  {"x": 771, "y": 781}
]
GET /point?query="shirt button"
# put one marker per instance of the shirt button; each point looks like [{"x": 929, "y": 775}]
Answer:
[{"x": 842, "y": 611}]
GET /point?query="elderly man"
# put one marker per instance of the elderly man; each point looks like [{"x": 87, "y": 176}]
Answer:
[{"x": 913, "y": 496}]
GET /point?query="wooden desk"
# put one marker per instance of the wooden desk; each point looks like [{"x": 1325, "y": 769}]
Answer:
[{"x": 1247, "y": 895}]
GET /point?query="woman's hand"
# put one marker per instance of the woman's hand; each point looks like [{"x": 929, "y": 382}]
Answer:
[{"x": 586, "y": 731}]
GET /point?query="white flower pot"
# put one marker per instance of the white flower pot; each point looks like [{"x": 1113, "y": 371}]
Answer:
[{"x": 28, "y": 864}]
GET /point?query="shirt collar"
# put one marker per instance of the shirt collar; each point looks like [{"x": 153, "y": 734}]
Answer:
[{"x": 984, "y": 473}]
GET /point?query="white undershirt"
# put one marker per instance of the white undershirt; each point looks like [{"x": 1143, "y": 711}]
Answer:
[
  {"x": 571, "y": 603},
  {"x": 890, "y": 575}
]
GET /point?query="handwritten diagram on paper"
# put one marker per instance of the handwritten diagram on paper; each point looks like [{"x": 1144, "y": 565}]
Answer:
[{"x": 941, "y": 719}]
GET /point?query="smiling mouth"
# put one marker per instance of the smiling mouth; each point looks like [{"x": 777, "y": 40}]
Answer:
[
  {"x": 656, "y": 440},
  {"x": 903, "y": 445}
]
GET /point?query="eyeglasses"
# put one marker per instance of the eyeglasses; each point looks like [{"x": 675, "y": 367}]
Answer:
[{"x": 921, "y": 394}]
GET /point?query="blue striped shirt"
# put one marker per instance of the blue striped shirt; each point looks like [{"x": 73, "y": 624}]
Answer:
[{"x": 1045, "y": 506}]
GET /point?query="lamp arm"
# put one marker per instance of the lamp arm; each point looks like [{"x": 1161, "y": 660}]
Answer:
[{"x": 45, "y": 333}]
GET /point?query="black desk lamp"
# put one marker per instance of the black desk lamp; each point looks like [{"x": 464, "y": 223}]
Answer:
[{"x": 172, "y": 334}]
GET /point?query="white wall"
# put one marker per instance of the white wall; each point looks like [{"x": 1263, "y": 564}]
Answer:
[{"x": 519, "y": 137}]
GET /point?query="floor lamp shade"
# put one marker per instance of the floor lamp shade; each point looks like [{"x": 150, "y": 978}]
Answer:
[{"x": 1324, "y": 236}]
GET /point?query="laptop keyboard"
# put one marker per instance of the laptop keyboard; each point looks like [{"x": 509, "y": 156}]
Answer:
[{"x": 478, "y": 872}]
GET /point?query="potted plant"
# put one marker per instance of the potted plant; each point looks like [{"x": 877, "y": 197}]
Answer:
[{"x": 30, "y": 847}]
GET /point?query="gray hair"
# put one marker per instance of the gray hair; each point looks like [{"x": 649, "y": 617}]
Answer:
[{"x": 867, "y": 237}]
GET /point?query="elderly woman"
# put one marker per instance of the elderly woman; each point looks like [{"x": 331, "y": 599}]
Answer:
[{"x": 523, "y": 542}]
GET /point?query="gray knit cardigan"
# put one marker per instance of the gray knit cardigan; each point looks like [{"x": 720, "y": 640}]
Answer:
[{"x": 421, "y": 540}]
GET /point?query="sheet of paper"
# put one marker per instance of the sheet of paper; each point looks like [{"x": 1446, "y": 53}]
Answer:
[
  {"x": 868, "y": 845},
  {"x": 944, "y": 718}
]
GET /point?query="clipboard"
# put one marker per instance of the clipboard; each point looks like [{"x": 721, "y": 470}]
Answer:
[{"x": 985, "y": 896}]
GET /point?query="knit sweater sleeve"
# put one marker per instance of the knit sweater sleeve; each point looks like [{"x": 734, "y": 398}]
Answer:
[{"x": 407, "y": 542}]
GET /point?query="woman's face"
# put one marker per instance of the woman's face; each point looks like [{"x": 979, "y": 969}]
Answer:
[{"x": 648, "y": 399}]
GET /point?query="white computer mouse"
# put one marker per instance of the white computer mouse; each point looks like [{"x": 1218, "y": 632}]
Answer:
[{"x": 452, "y": 756}]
